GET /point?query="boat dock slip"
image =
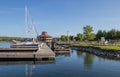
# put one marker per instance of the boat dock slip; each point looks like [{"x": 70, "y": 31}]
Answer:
[
  {"x": 41, "y": 53},
  {"x": 18, "y": 49},
  {"x": 62, "y": 52},
  {"x": 19, "y": 46},
  {"x": 44, "y": 52}
]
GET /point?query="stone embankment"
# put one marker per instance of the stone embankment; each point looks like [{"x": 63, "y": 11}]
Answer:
[{"x": 99, "y": 52}]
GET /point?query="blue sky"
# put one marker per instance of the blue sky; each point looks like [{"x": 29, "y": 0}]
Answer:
[{"x": 59, "y": 16}]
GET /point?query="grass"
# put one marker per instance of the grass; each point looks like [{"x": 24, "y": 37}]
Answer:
[
  {"x": 95, "y": 44},
  {"x": 79, "y": 44},
  {"x": 84, "y": 44}
]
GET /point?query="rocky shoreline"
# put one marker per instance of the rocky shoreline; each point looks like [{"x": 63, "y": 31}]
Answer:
[{"x": 99, "y": 52}]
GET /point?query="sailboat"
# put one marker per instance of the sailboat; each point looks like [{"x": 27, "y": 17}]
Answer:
[{"x": 28, "y": 42}]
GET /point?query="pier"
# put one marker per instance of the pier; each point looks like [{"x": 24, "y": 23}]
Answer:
[
  {"x": 61, "y": 48},
  {"x": 35, "y": 53},
  {"x": 43, "y": 52},
  {"x": 18, "y": 50}
]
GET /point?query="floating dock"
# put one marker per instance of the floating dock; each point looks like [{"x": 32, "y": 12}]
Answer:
[
  {"x": 19, "y": 46},
  {"x": 44, "y": 53},
  {"x": 18, "y": 50},
  {"x": 61, "y": 48},
  {"x": 26, "y": 62},
  {"x": 62, "y": 52},
  {"x": 41, "y": 53}
]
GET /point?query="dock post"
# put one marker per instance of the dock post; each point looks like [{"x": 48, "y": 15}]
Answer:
[
  {"x": 53, "y": 45},
  {"x": 34, "y": 57},
  {"x": 39, "y": 47}
]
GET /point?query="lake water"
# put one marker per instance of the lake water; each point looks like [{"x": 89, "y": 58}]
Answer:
[{"x": 75, "y": 64}]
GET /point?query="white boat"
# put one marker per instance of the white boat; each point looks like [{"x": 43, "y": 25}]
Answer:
[
  {"x": 22, "y": 44},
  {"x": 29, "y": 42}
]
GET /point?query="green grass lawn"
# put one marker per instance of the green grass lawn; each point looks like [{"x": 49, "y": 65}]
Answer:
[
  {"x": 79, "y": 44},
  {"x": 106, "y": 47}
]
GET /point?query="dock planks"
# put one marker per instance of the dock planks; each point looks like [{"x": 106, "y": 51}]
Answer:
[
  {"x": 18, "y": 49},
  {"x": 41, "y": 53},
  {"x": 44, "y": 52}
]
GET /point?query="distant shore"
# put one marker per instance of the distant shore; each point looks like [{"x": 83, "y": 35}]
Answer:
[{"x": 8, "y": 39}]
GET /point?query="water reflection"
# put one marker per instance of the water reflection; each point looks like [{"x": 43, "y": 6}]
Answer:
[
  {"x": 67, "y": 55},
  {"x": 87, "y": 57},
  {"x": 88, "y": 60},
  {"x": 29, "y": 66},
  {"x": 29, "y": 70},
  {"x": 26, "y": 62},
  {"x": 76, "y": 64},
  {"x": 79, "y": 53}
]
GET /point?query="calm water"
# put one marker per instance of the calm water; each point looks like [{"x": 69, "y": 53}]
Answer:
[{"x": 75, "y": 64}]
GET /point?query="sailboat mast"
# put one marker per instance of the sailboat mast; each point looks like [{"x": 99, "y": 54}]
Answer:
[
  {"x": 26, "y": 19},
  {"x": 30, "y": 27},
  {"x": 33, "y": 27}
]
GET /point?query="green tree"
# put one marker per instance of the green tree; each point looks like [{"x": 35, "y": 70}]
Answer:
[
  {"x": 118, "y": 35},
  {"x": 112, "y": 34},
  {"x": 63, "y": 38},
  {"x": 10, "y": 38},
  {"x": 104, "y": 33},
  {"x": 71, "y": 38},
  {"x": 92, "y": 36},
  {"x": 79, "y": 37},
  {"x": 88, "y": 35},
  {"x": 100, "y": 34}
]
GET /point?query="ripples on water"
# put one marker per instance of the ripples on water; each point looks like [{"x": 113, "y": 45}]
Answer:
[{"x": 75, "y": 64}]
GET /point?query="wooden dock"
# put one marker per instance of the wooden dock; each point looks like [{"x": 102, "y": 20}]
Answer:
[
  {"x": 62, "y": 52},
  {"x": 44, "y": 52},
  {"x": 19, "y": 46},
  {"x": 41, "y": 53},
  {"x": 18, "y": 49},
  {"x": 26, "y": 62}
]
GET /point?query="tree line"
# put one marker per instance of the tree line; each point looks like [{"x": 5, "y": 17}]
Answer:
[
  {"x": 11, "y": 38},
  {"x": 112, "y": 34},
  {"x": 90, "y": 36}
]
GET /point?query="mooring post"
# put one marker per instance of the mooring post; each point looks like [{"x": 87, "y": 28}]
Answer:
[
  {"x": 39, "y": 47},
  {"x": 53, "y": 46},
  {"x": 34, "y": 56}
]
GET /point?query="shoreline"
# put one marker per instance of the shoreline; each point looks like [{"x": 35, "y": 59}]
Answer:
[{"x": 99, "y": 52}]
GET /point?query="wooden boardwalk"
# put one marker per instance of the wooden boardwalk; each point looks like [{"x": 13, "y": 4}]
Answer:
[
  {"x": 18, "y": 49},
  {"x": 43, "y": 52}
]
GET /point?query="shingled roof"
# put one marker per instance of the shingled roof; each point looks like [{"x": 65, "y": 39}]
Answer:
[{"x": 44, "y": 35}]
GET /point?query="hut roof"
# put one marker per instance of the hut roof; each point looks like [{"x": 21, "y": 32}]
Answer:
[{"x": 44, "y": 35}]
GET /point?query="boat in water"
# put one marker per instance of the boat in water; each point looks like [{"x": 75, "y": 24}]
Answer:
[
  {"x": 27, "y": 42},
  {"x": 23, "y": 44}
]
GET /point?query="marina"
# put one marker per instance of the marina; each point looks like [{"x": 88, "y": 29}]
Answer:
[
  {"x": 40, "y": 53},
  {"x": 76, "y": 64},
  {"x": 37, "y": 53},
  {"x": 34, "y": 47},
  {"x": 59, "y": 38}
]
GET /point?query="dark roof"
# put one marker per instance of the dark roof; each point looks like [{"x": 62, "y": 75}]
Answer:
[{"x": 44, "y": 35}]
